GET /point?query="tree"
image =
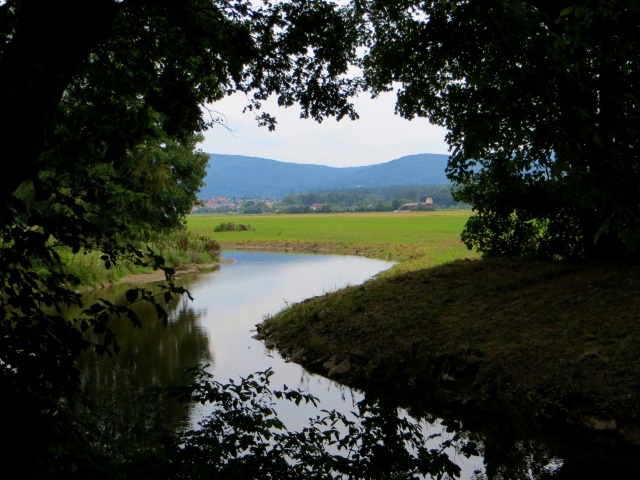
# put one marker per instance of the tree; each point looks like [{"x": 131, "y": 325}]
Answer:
[
  {"x": 540, "y": 99},
  {"x": 102, "y": 104},
  {"x": 130, "y": 60}
]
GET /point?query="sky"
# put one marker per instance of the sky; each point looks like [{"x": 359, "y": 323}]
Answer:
[{"x": 379, "y": 135}]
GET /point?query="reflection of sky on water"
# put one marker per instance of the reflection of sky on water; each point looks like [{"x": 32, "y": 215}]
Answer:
[{"x": 240, "y": 295}]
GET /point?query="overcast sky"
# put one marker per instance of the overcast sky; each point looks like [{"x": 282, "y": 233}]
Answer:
[{"x": 377, "y": 137}]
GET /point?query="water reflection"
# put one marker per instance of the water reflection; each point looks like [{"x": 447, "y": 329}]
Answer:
[
  {"x": 151, "y": 358},
  {"x": 216, "y": 328},
  {"x": 235, "y": 298}
]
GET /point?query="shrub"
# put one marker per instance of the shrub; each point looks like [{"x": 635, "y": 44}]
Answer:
[{"x": 232, "y": 227}]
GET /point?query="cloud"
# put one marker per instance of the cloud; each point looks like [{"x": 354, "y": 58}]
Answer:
[{"x": 378, "y": 136}]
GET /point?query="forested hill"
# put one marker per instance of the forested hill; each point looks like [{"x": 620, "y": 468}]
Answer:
[{"x": 235, "y": 175}]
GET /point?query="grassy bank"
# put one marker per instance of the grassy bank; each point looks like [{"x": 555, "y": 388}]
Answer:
[
  {"x": 178, "y": 248},
  {"x": 547, "y": 344}
]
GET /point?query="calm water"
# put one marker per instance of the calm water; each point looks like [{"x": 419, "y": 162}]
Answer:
[
  {"x": 217, "y": 327},
  {"x": 231, "y": 300}
]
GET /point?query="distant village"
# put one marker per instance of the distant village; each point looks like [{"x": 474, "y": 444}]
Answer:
[
  {"x": 252, "y": 205},
  {"x": 225, "y": 204}
]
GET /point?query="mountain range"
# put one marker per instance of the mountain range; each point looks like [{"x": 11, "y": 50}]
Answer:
[{"x": 238, "y": 176}]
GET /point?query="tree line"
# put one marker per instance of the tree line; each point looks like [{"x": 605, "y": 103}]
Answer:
[{"x": 369, "y": 199}]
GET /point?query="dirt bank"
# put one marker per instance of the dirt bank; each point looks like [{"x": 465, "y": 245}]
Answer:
[{"x": 158, "y": 275}]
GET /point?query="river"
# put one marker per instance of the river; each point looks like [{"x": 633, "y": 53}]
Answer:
[{"x": 217, "y": 328}]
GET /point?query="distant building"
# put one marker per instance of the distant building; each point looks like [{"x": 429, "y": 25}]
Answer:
[{"x": 423, "y": 206}]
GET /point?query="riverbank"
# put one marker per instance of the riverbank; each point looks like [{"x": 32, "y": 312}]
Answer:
[
  {"x": 159, "y": 275},
  {"x": 182, "y": 250},
  {"x": 552, "y": 346}
]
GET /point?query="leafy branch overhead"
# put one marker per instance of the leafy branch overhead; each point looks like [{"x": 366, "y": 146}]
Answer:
[
  {"x": 540, "y": 100},
  {"x": 102, "y": 109},
  {"x": 105, "y": 76}
]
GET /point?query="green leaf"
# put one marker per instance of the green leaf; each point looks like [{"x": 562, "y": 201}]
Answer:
[{"x": 566, "y": 11}]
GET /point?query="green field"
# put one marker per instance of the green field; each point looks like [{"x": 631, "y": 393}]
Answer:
[{"x": 429, "y": 238}]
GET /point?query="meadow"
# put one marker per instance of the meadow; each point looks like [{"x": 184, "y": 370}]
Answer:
[{"x": 416, "y": 239}]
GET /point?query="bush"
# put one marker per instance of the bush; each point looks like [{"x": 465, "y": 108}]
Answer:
[{"x": 232, "y": 227}]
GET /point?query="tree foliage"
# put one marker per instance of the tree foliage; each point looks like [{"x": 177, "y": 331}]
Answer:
[
  {"x": 93, "y": 80},
  {"x": 244, "y": 438},
  {"x": 102, "y": 106},
  {"x": 540, "y": 100}
]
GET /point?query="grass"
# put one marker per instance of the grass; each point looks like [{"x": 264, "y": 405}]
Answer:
[
  {"x": 178, "y": 248},
  {"x": 430, "y": 237},
  {"x": 549, "y": 344}
]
